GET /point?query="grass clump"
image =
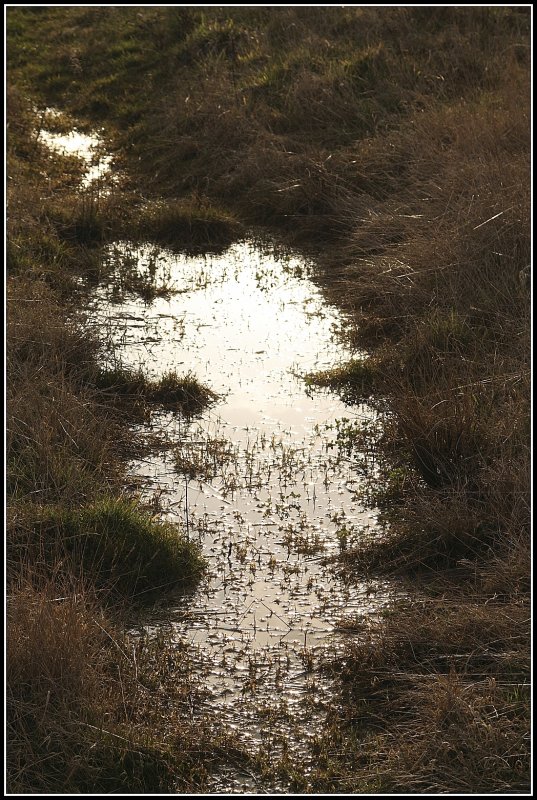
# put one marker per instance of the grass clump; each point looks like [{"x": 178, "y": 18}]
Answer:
[
  {"x": 354, "y": 381},
  {"x": 117, "y": 545},
  {"x": 175, "y": 392},
  {"x": 188, "y": 224},
  {"x": 83, "y": 220},
  {"x": 184, "y": 391}
]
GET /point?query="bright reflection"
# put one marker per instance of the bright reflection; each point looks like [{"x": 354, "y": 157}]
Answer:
[
  {"x": 85, "y": 146},
  {"x": 242, "y": 321},
  {"x": 262, "y": 481}
]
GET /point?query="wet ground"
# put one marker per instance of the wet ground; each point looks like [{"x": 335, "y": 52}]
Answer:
[{"x": 260, "y": 480}]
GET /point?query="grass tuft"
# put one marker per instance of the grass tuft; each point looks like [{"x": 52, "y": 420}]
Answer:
[
  {"x": 353, "y": 381},
  {"x": 115, "y": 544},
  {"x": 188, "y": 224},
  {"x": 174, "y": 392}
]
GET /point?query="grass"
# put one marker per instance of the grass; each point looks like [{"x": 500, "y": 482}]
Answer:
[
  {"x": 354, "y": 380},
  {"x": 203, "y": 461},
  {"x": 395, "y": 142},
  {"x": 186, "y": 392},
  {"x": 76, "y": 546},
  {"x": 83, "y": 221},
  {"x": 454, "y": 674},
  {"x": 113, "y": 544},
  {"x": 83, "y": 699},
  {"x": 171, "y": 391},
  {"x": 190, "y": 223}
]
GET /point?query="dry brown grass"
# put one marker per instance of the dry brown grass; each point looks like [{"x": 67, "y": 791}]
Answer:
[
  {"x": 84, "y": 702},
  {"x": 434, "y": 700},
  {"x": 56, "y": 446}
]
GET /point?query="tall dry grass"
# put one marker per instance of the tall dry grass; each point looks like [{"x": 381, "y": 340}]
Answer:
[
  {"x": 84, "y": 702},
  {"x": 436, "y": 274},
  {"x": 433, "y": 701},
  {"x": 76, "y": 546}
]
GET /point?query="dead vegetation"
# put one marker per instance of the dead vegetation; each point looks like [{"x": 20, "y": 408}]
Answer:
[{"x": 440, "y": 689}]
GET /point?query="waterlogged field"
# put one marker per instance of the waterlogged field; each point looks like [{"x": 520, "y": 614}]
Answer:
[
  {"x": 263, "y": 479},
  {"x": 278, "y": 672}
]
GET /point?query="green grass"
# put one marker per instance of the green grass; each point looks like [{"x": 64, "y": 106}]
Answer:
[
  {"x": 353, "y": 381},
  {"x": 116, "y": 544}
]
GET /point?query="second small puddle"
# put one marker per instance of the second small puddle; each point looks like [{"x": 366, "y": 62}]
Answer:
[{"x": 86, "y": 146}]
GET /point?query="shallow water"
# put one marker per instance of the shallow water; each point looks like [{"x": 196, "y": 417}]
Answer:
[
  {"x": 262, "y": 480},
  {"x": 267, "y": 491},
  {"x": 87, "y": 146}
]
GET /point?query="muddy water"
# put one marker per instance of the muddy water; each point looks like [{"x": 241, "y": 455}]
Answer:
[{"x": 262, "y": 480}]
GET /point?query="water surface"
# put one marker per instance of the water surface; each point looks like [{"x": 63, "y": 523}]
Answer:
[
  {"x": 89, "y": 147},
  {"x": 259, "y": 480}
]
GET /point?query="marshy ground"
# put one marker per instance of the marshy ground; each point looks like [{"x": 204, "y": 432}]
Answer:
[{"x": 268, "y": 509}]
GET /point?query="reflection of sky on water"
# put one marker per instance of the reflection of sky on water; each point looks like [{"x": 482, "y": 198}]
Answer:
[
  {"x": 246, "y": 322},
  {"x": 86, "y": 146}
]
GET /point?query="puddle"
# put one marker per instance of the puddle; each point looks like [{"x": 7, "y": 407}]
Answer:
[
  {"x": 259, "y": 480},
  {"x": 87, "y": 146}
]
